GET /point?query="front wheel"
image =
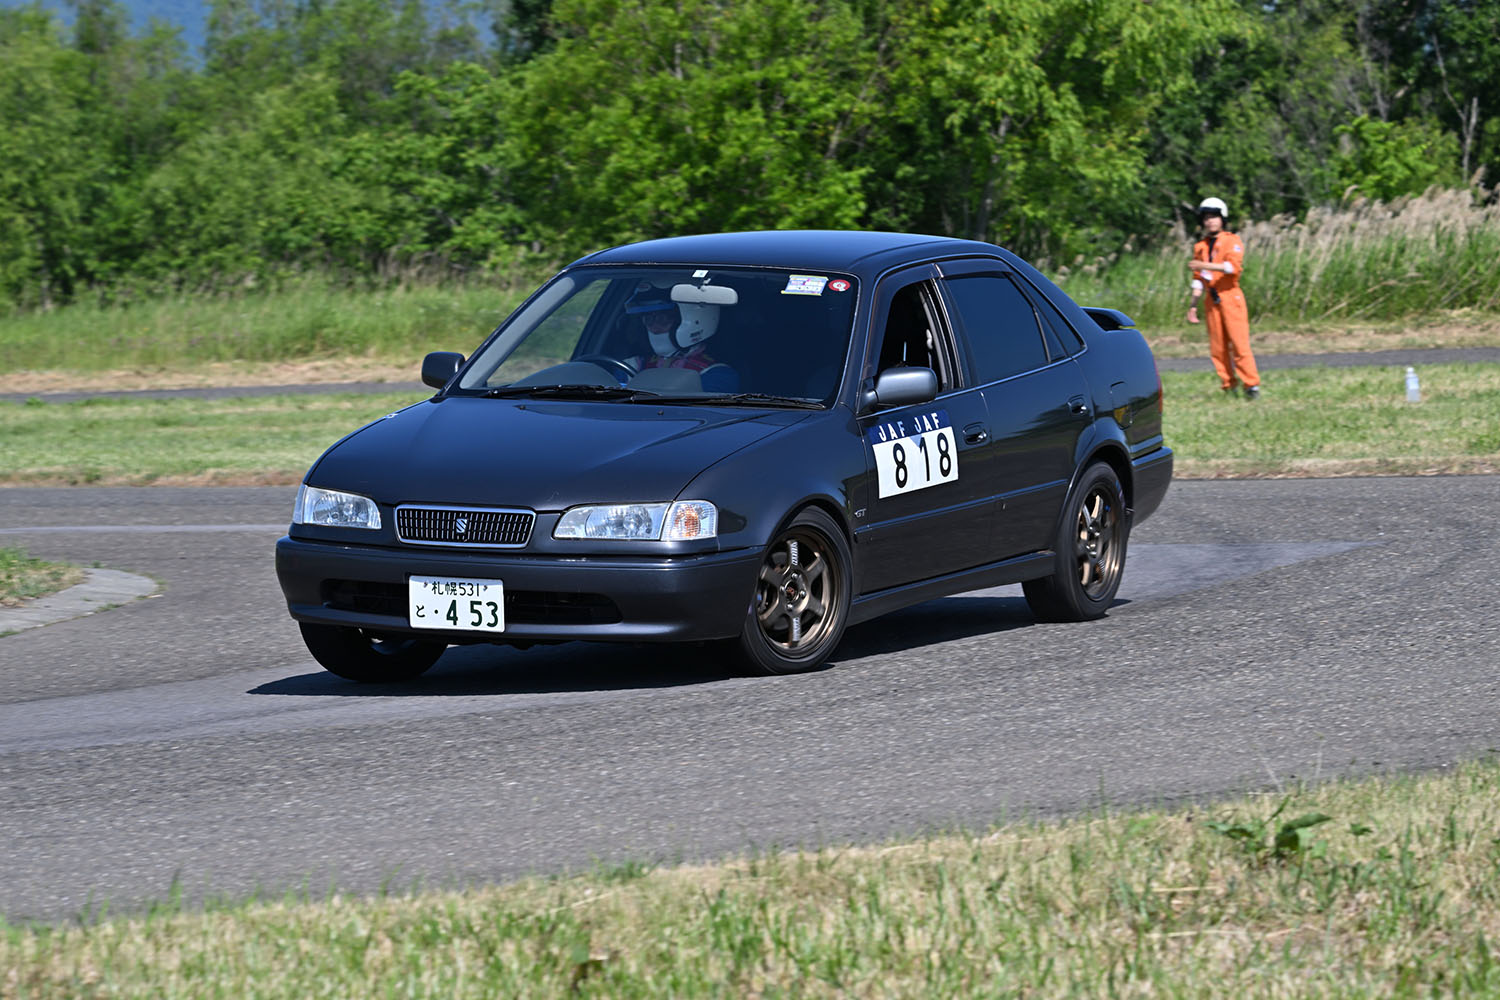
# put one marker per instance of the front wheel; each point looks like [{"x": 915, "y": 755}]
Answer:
[
  {"x": 370, "y": 657},
  {"x": 801, "y": 602},
  {"x": 1090, "y": 552}
]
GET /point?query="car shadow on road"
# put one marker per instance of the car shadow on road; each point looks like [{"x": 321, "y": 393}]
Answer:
[
  {"x": 467, "y": 671},
  {"x": 927, "y": 624}
]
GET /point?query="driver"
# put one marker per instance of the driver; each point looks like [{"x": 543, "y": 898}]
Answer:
[{"x": 677, "y": 331}]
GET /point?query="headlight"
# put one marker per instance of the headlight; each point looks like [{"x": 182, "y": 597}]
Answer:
[
  {"x": 333, "y": 509},
  {"x": 685, "y": 520}
]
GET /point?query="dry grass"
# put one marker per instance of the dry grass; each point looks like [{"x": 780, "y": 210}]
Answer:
[
  {"x": 1460, "y": 328},
  {"x": 1366, "y": 264},
  {"x": 216, "y": 374}
]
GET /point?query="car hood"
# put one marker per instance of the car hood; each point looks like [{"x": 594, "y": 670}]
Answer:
[{"x": 546, "y": 455}]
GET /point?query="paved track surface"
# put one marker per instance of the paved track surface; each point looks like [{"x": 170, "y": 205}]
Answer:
[{"x": 1268, "y": 631}]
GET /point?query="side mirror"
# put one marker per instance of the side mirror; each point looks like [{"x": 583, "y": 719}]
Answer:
[
  {"x": 903, "y": 387},
  {"x": 440, "y": 366}
]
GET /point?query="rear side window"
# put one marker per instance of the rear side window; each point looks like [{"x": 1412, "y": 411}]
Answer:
[
  {"x": 1004, "y": 335},
  {"x": 1059, "y": 332}
]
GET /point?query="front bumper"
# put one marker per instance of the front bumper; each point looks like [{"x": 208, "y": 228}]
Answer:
[{"x": 547, "y": 598}]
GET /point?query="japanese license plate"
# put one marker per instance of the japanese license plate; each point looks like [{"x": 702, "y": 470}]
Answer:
[{"x": 452, "y": 602}]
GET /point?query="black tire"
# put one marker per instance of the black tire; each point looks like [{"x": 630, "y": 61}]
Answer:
[
  {"x": 1090, "y": 552},
  {"x": 800, "y": 606},
  {"x": 370, "y": 657}
]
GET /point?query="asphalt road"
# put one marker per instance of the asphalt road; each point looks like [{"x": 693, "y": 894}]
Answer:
[{"x": 1268, "y": 632}]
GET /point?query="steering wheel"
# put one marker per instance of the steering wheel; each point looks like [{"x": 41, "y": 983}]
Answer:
[{"x": 614, "y": 366}]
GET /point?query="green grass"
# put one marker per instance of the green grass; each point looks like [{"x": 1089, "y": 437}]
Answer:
[
  {"x": 1387, "y": 887},
  {"x": 1337, "y": 421},
  {"x": 23, "y": 578},
  {"x": 244, "y": 440},
  {"x": 1311, "y": 422},
  {"x": 314, "y": 320}
]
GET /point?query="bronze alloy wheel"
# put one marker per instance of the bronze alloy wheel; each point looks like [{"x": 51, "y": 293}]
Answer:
[
  {"x": 1096, "y": 548},
  {"x": 1090, "y": 552},
  {"x": 801, "y": 599}
]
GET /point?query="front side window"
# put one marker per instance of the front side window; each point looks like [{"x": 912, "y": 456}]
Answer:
[
  {"x": 915, "y": 336},
  {"x": 670, "y": 331},
  {"x": 1003, "y": 333}
]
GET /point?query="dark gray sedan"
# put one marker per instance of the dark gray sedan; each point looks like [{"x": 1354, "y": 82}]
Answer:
[{"x": 753, "y": 438}]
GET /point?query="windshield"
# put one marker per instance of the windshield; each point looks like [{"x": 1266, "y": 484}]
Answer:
[{"x": 703, "y": 333}]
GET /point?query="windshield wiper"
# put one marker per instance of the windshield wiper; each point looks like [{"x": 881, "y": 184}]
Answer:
[
  {"x": 743, "y": 399},
  {"x": 575, "y": 391}
]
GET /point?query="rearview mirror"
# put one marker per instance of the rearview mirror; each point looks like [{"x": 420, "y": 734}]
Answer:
[
  {"x": 709, "y": 295},
  {"x": 439, "y": 366}
]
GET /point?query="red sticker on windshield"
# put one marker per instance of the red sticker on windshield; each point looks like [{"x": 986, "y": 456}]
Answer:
[{"x": 838, "y": 285}]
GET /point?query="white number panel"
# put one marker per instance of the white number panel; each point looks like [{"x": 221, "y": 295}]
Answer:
[
  {"x": 914, "y": 451},
  {"x": 450, "y": 602}
]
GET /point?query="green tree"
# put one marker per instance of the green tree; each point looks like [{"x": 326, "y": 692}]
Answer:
[
  {"x": 1028, "y": 122},
  {"x": 1387, "y": 160},
  {"x": 650, "y": 118},
  {"x": 52, "y": 173}
]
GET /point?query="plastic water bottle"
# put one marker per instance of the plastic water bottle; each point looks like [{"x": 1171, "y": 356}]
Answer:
[{"x": 1413, "y": 386}]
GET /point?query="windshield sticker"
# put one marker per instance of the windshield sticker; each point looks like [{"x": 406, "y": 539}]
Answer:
[
  {"x": 838, "y": 285},
  {"x": 700, "y": 273},
  {"x": 804, "y": 284},
  {"x": 914, "y": 451}
]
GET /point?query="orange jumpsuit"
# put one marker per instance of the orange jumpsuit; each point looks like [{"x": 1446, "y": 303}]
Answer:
[{"x": 1225, "y": 313}]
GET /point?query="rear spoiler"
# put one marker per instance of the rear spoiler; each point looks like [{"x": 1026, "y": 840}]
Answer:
[{"x": 1109, "y": 319}]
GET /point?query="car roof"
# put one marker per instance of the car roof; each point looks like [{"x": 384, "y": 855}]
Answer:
[{"x": 812, "y": 249}]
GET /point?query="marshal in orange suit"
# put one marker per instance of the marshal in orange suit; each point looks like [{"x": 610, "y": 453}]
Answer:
[{"x": 1218, "y": 261}]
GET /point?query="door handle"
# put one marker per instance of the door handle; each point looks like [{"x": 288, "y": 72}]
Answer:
[
  {"x": 976, "y": 434},
  {"x": 1078, "y": 405}
]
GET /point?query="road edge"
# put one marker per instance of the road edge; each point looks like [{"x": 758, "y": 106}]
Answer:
[{"x": 101, "y": 590}]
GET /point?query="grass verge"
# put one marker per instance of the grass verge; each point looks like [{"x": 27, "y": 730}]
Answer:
[
  {"x": 1383, "y": 887},
  {"x": 1337, "y": 422},
  {"x": 23, "y": 578},
  {"x": 242, "y": 441},
  {"x": 314, "y": 320},
  {"x": 1311, "y": 422}
]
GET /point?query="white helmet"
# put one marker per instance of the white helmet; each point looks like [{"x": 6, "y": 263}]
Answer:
[
  {"x": 699, "y": 322},
  {"x": 1214, "y": 205}
]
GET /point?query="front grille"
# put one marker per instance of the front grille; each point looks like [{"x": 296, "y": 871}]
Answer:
[
  {"x": 490, "y": 527},
  {"x": 522, "y": 607}
]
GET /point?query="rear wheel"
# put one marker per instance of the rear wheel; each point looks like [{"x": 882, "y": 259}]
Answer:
[
  {"x": 1090, "y": 547},
  {"x": 801, "y": 601},
  {"x": 370, "y": 657}
]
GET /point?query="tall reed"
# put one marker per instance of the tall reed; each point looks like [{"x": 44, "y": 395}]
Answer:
[{"x": 1367, "y": 261}]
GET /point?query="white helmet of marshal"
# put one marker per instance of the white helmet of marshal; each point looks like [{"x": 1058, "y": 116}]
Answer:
[{"x": 1213, "y": 205}]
